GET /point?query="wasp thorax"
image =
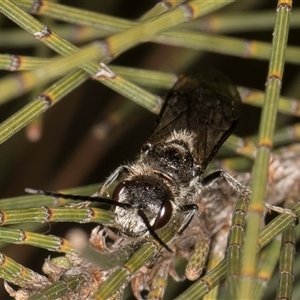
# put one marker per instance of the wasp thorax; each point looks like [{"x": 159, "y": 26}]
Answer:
[
  {"x": 174, "y": 154},
  {"x": 149, "y": 197}
]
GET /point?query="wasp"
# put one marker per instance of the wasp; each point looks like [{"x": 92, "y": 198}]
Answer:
[{"x": 164, "y": 184}]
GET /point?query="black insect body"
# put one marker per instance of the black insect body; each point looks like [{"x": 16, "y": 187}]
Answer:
[{"x": 198, "y": 115}]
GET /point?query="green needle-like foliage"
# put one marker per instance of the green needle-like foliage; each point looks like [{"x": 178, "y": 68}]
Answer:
[{"x": 108, "y": 66}]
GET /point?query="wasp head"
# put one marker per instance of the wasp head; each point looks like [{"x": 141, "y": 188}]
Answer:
[{"x": 151, "y": 203}]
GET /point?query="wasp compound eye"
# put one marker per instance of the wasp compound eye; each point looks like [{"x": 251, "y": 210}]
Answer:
[
  {"x": 119, "y": 189},
  {"x": 164, "y": 215}
]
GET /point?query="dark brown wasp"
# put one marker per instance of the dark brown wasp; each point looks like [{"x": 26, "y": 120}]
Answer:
[{"x": 198, "y": 115}]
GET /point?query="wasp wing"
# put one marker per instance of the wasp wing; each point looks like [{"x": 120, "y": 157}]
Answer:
[{"x": 206, "y": 105}]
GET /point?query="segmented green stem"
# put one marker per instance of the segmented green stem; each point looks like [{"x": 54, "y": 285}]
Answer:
[
  {"x": 49, "y": 242},
  {"x": 268, "y": 262},
  {"x": 61, "y": 288},
  {"x": 64, "y": 214},
  {"x": 260, "y": 169},
  {"x": 286, "y": 261},
  {"x": 15, "y": 273},
  {"x": 235, "y": 244}
]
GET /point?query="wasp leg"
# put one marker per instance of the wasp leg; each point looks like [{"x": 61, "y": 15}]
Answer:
[
  {"x": 111, "y": 179},
  {"x": 282, "y": 210},
  {"x": 216, "y": 176},
  {"x": 155, "y": 279},
  {"x": 98, "y": 239},
  {"x": 190, "y": 209},
  {"x": 160, "y": 280}
]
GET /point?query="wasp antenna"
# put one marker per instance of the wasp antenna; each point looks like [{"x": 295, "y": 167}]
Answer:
[
  {"x": 78, "y": 197},
  {"x": 152, "y": 232},
  {"x": 33, "y": 191}
]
